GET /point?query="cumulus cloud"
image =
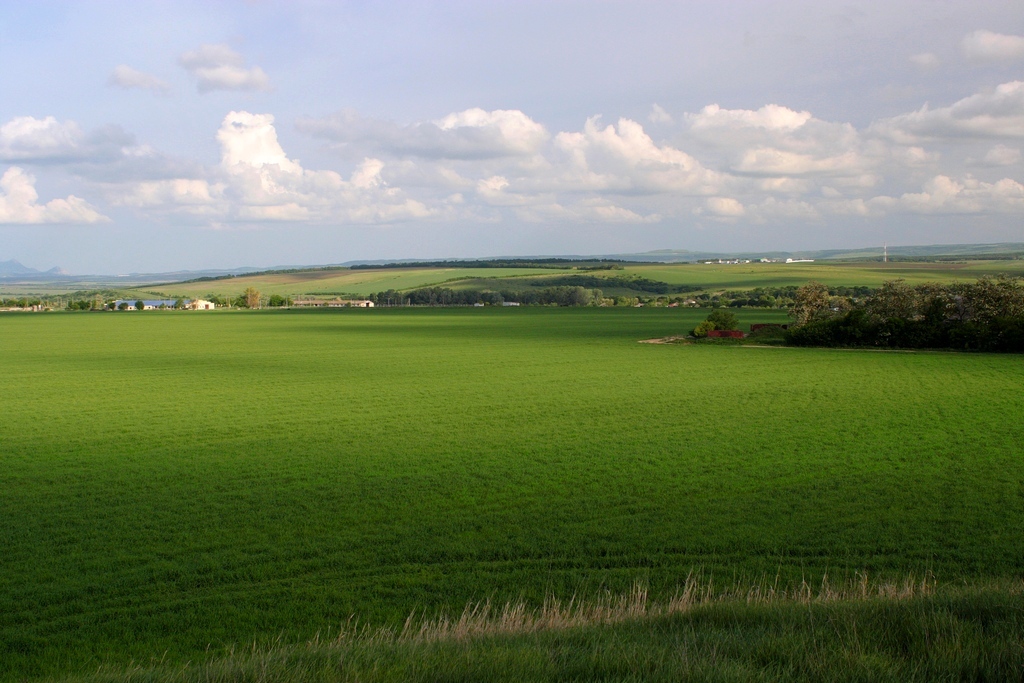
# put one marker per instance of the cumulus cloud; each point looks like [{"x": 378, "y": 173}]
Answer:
[
  {"x": 218, "y": 67},
  {"x": 987, "y": 46},
  {"x": 945, "y": 195},
  {"x": 19, "y": 203},
  {"x": 994, "y": 113},
  {"x": 128, "y": 78},
  {"x": 724, "y": 207},
  {"x": 28, "y": 139},
  {"x": 624, "y": 158},
  {"x": 251, "y": 139},
  {"x": 771, "y": 117},
  {"x": 1001, "y": 155},
  {"x": 257, "y": 181},
  {"x": 469, "y": 134},
  {"x": 925, "y": 60},
  {"x": 594, "y": 209},
  {"x": 659, "y": 115},
  {"x": 776, "y": 141}
]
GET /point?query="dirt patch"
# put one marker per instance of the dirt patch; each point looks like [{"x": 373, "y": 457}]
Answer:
[{"x": 663, "y": 340}]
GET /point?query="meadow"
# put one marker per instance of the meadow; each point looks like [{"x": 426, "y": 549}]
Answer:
[
  {"x": 360, "y": 281},
  {"x": 175, "y": 483},
  {"x": 692, "y": 277}
]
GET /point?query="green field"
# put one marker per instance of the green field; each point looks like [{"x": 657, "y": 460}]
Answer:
[
  {"x": 706, "y": 277},
  {"x": 341, "y": 281},
  {"x": 361, "y": 282},
  {"x": 175, "y": 482},
  {"x": 871, "y": 274}
]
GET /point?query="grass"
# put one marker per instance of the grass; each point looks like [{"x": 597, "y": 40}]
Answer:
[
  {"x": 899, "y": 632},
  {"x": 174, "y": 483},
  {"x": 871, "y": 274},
  {"x": 361, "y": 281},
  {"x": 705, "y": 277}
]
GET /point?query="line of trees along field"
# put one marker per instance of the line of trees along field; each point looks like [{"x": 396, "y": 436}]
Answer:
[
  {"x": 987, "y": 315},
  {"x": 569, "y": 291}
]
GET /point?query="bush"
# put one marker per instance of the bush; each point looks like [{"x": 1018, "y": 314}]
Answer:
[{"x": 703, "y": 327}]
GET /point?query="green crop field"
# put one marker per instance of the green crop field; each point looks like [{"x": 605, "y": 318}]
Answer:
[
  {"x": 172, "y": 483},
  {"x": 361, "y": 282},
  {"x": 871, "y": 274},
  {"x": 709, "y": 277},
  {"x": 340, "y": 281}
]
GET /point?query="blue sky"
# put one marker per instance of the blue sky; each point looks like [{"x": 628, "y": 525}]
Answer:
[{"x": 153, "y": 136}]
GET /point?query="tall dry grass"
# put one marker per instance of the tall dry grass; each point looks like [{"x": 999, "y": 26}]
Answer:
[{"x": 912, "y": 629}]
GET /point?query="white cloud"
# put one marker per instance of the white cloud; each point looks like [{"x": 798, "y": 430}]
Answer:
[
  {"x": 594, "y": 209},
  {"x": 776, "y": 162},
  {"x": 256, "y": 181},
  {"x": 513, "y": 130},
  {"x": 987, "y": 46},
  {"x": 185, "y": 192},
  {"x": 659, "y": 115},
  {"x": 776, "y": 141},
  {"x": 18, "y": 203},
  {"x": 28, "y": 139},
  {"x": 1001, "y": 155},
  {"x": 128, "y": 78},
  {"x": 926, "y": 60},
  {"x": 771, "y": 117},
  {"x": 995, "y": 113},
  {"x": 466, "y": 135},
  {"x": 251, "y": 139},
  {"x": 725, "y": 207},
  {"x": 218, "y": 67},
  {"x": 624, "y": 158},
  {"x": 945, "y": 195},
  {"x": 789, "y": 209}
]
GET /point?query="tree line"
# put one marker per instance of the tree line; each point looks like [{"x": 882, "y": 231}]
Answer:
[
  {"x": 986, "y": 315},
  {"x": 562, "y": 295}
]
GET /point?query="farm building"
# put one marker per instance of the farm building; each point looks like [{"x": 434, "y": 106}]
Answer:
[
  {"x": 333, "y": 303},
  {"x": 152, "y": 304},
  {"x": 149, "y": 304}
]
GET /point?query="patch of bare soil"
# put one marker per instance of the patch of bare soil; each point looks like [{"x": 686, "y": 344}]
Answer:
[{"x": 663, "y": 340}]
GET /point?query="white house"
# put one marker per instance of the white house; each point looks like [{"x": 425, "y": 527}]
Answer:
[{"x": 201, "y": 305}]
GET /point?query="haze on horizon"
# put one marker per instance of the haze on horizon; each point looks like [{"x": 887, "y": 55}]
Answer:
[{"x": 162, "y": 136}]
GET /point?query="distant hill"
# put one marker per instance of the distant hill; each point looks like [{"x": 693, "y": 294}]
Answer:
[
  {"x": 13, "y": 270},
  {"x": 12, "y": 267},
  {"x": 1000, "y": 249}
]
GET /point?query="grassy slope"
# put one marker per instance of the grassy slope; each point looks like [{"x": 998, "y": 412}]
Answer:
[
  {"x": 360, "y": 281},
  {"x": 966, "y": 634},
  {"x": 366, "y": 281},
  {"x": 176, "y": 480},
  {"x": 745, "y": 276}
]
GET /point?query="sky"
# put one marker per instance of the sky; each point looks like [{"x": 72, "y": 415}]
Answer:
[{"x": 157, "y": 136}]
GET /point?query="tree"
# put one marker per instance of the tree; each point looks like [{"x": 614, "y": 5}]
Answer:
[
  {"x": 252, "y": 297},
  {"x": 812, "y": 302},
  {"x": 895, "y": 299},
  {"x": 723, "y": 320},
  {"x": 140, "y": 305},
  {"x": 123, "y": 306}
]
